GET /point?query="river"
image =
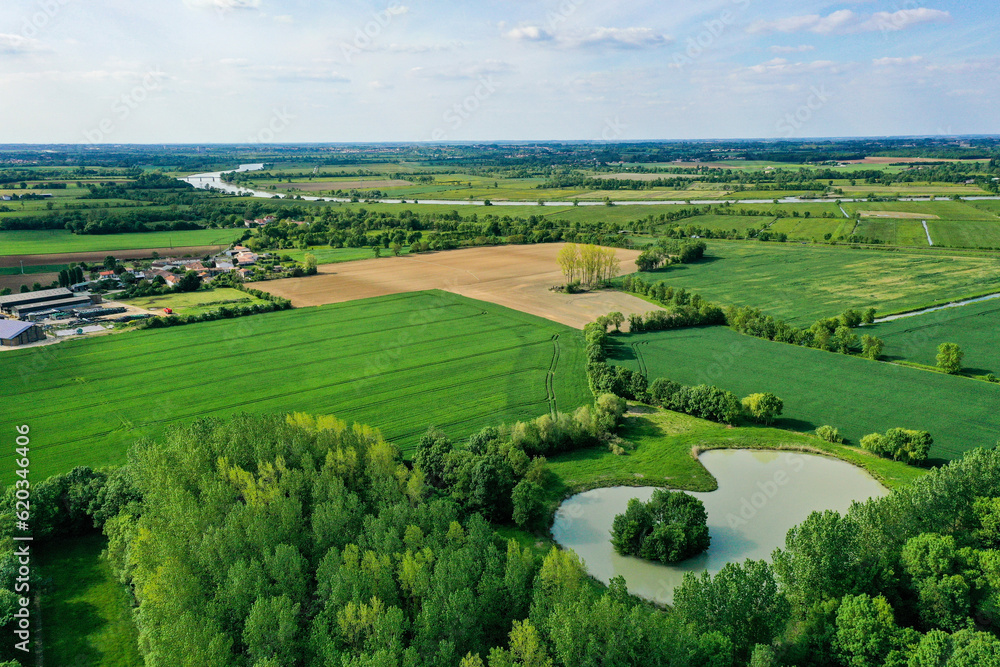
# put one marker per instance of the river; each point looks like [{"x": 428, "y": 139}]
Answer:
[
  {"x": 761, "y": 495},
  {"x": 214, "y": 180}
]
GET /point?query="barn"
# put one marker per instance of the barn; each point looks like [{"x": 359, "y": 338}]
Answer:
[
  {"x": 14, "y": 333},
  {"x": 8, "y": 303}
]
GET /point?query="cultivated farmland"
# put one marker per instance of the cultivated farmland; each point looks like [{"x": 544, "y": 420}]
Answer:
[
  {"x": 801, "y": 284},
  {"x": 52, "y": 242},
  {"x": 853, "y": 394},
  {"x": 974, "y": 327},
  {"x": 513, "y": 276},
  {"x": 405, "y": 362}
]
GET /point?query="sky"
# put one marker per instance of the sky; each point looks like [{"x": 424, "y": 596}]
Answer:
[{"x": 288, "y": 71}]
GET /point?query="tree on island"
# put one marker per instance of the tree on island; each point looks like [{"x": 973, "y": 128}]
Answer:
[{"x": 671, "y": 527}]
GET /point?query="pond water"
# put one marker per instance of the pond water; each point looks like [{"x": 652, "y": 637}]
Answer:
[{"x": 761, "y": 495}]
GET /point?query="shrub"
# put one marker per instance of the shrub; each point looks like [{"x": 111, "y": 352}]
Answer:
[
  {"x": 900, "y": 444},
  {"x": 763, "y": 408},
  {"x": 671, "y": 527},
  {"x": 830, "y": 434}
]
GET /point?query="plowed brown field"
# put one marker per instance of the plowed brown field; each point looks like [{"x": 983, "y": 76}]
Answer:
[{"x": 517, "y": 277}]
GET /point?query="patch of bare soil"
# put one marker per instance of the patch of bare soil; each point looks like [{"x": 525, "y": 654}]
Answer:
[{"x": 518, "y": 277}]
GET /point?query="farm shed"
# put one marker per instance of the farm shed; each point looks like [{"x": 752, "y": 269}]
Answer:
[
  {"x": 8, "y": 303},
  {"x": 19, "y": 333},
  {"x": 66, "y": 303}
]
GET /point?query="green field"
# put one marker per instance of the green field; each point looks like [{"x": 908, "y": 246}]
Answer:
[
  {"x": 725, "y": 222},
  {"x": 403, "y": 362},
  {"x": 813, "y": 229},
  {"x": 328, "y": 255},
  {"x": 965, "y": 233},
  {"x": 86, "y": 615},
  {"x": 60, "y": 241},
  {"x": 802, "y": 284},
  {"x": 944, "y": 209},
  {"x": 893, "y": 231},
  {"x": 195, "y": 303},
  {"x": 974, "y": 328},
  {"x": 853, "y": 394}
]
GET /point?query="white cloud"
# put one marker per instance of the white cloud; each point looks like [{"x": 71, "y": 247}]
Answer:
[
  {"x": 784, "y": 66},
  {"x": 289, "y": 74},
  {"x": 16, "y": 45},
  {"x": 802, "y": 48},
  {"x": 846, "y": 21},
  {"x": 529, "y": 33},
  {"x": 888, "y": 62},
  {"x": 904, "y": 18},
  {"x": 622, "y": 38},
  {"x": 467, "y": 72},
  {"x": 223, "y": 5}
]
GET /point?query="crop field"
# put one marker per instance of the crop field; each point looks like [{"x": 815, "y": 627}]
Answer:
[
  {"x": 855, "y": 395},
  {"x": 403, "y": 362},
  {"x": 986, "y": 205},
  {"x": 195, "y": 303},
  {"x": 518, "y": 277},
  {"x": 802, "y": 284},
  {"x": 891, "y": 231},
  {"x": 945, "y": 210},
  {"x": 965, "y": 233},
  {"x": 724, "y": 222},
  {"x": 812, "y": 229},
  {"x": 328, "y": 255},
  {"x": 973, "y": 327},
  {"x": 50, "y": 242}
]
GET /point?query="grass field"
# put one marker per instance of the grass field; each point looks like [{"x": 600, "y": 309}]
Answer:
[
  {"x": 328, "y": 255},
  {"x": 86, "y": 615},
  {"x": 944, "y": 209},
  {"x": 724, "y": 222},
  {"x": 900, "y": 232},
  {"x": 965, "y": 233},
  {"x": 802, "y": 284},
  {"x": 973, "y": 327},
  {"x": 662, "y": 456},
  {"x": 855, "y": 395},
  {"x": 404, "y": 362},
  {"x": 195, "y": 303},
  {"x": 45, "y": 268},
  {"x": 812, "y": 229},
  {"x": 59, "y": 241}
]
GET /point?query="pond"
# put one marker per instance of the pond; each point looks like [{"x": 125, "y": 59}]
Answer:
[{"x": 761, "y": 495}]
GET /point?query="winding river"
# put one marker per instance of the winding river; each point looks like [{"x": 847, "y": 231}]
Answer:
[
  {"x": 214, "y": 181},
  {"x": 761, "y": 495}
]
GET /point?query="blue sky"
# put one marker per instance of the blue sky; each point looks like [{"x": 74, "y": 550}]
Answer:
[{"x": 122, "y": 71}]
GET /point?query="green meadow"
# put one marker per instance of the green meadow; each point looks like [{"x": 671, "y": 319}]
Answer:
[
  {"x": 973, "y": 327},
  {"x": 803, "y": 283},
  {"x": 50, "y": 242},
  {"x": 855, "y": 395},
  {"x": 404, "y": 362}
]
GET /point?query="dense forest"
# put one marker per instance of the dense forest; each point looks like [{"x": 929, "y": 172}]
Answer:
[{"x": 280, "y": 541}]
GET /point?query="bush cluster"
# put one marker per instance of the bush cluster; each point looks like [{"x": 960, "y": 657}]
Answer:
[
  {"x": 899, "y": 444},
  {"x": 671, "y": 527}
]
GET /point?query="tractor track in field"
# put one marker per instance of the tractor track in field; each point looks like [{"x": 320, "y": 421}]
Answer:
[
  {"x": 639, "y": 358},
  {"x": 155, "y": 371},
  {"x": 395, "y": 397},
  {"x": 550, "y": 377},
  {"x": 176, "y": 388}
]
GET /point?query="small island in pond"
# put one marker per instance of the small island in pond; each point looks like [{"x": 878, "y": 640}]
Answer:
[{"x": 671, "y": 527}]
